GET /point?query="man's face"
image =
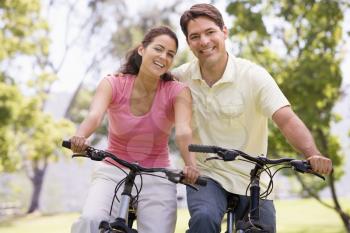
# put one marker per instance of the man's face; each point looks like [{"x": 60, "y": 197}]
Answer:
[{"x": 206, "y": 40}]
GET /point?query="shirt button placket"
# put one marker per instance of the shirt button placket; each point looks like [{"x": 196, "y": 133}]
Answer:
[{"x": 210, "y": 102}]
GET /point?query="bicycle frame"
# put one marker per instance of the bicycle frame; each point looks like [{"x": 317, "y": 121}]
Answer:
[
  {"x": 232, "y": 202},
  {"x": 122, "y": 222},
  {"x": 253, "y": 224}
]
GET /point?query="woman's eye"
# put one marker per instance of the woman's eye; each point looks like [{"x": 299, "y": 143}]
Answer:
[{"x": 158, "y": 49}]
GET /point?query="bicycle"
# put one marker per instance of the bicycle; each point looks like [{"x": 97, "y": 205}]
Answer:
[
  {"x": 251, "y": 223},
  {"x": 127, "y": 211}
]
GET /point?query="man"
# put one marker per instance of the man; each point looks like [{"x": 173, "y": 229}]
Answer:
[{"x": 232, "y": 101}]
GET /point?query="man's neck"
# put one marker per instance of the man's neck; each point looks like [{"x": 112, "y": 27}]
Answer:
[{"x": 211, "y": 73}]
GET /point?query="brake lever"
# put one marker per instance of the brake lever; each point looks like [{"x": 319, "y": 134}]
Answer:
[
  {"x": 79, "y": 155},
  {"x": 178, "y": 178},
  {"x": 304, "y": 167},
  {"x": 316, "y": 174},
  {"x": 212, "y": 158}
]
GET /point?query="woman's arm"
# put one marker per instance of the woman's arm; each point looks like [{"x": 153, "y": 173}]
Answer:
[
  {"x": 299, "y": 136},
  {"x": 98, "y": 107},
  {"x": 183, "y": 133}
]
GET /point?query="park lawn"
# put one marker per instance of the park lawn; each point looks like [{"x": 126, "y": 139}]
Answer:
[{"x": 293, "y": 216}]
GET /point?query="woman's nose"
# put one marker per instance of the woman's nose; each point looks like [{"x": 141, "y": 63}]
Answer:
[{"x": 163, "y": 55}]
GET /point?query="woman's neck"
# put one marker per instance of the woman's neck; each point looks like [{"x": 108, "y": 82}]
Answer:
[{"x": 147, "y": 84}]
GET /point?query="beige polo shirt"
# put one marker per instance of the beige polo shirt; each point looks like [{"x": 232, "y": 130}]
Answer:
[{"x": 233, "y": 113}]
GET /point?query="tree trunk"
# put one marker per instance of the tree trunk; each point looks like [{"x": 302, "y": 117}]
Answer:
[
  {"x": 337, "y": 207},
  {"x": 344, "y": 216},
  {"x": 37, "y": 181}
]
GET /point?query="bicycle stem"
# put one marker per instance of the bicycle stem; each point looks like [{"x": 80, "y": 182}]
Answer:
[
  {"x": 255, "y": 193},
  {"x": 126, "y": 196}
]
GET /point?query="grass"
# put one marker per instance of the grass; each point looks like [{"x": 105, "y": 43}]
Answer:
[
  {"x": 293, "y": 216},
  {"x": 301, "y": 216}
]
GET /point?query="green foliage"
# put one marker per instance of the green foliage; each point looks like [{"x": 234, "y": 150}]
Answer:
[
  {"x": 21, "y": 28},
  {"x": 9, "y": 100},
  {"x": 28, "y": 136},
  {"x": 299, "y": 46}
]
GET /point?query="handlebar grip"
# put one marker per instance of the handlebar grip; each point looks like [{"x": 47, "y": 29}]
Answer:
[
  {"x": 66, "y": 144},
  {"x": 202, "y": 148},
  {"x": 201, "y": 181}
]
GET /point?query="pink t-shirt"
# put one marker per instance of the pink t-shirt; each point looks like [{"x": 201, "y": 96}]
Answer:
[{"x": 142, "y": 139}]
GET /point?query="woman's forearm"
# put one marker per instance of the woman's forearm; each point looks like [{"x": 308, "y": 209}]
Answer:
[{"x": 183, "y": 139}]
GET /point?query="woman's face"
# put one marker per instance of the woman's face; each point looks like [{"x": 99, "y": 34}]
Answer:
[{"x": 158, "y": 56}]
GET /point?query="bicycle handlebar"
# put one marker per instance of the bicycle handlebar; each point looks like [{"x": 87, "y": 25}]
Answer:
[
  {"x": 99, "y": 155},
  {"x": 302, "y": 166}
]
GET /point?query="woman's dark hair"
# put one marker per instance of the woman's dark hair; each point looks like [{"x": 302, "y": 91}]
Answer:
[
  {"x": 133, "y": 58},
  {"x": 201, "y": 10}
]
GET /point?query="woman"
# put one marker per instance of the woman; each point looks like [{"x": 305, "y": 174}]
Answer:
[{"x": 143, "y": 106}]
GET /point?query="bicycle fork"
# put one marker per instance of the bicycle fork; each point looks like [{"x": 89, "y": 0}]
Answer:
[
  {"x": 121, "y": 222},
  {"x": 232, "y": 202},
  {"x": 253, "y": 224}
]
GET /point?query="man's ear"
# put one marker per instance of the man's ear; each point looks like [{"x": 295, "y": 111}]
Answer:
[
  {"x": 140, "y": 50},
  {"x": 225, "y": 31}
]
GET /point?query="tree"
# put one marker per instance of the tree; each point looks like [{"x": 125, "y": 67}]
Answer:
[
  {"x": 29, "y": 137},
  {"x": 300, "y": 47}
]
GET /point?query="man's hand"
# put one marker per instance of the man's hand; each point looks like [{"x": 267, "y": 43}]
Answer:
[{"x": 320, "y": 164}]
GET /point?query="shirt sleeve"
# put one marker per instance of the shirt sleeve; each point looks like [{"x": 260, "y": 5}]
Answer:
[
  {"x": 118, "y": 84},
  {"x": 113, "y": 82},
  {"x": 174, "y": 90},
  {"x": 268, "y": 95},
  {"x": 180, "y": 72}
]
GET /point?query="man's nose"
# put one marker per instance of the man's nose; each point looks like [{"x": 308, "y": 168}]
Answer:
[{"x": 204, "y": 40}]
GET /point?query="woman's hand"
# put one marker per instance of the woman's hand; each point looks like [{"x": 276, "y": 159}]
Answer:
[
  {"x": 191, "y": 174},
  {"x": 78, "y": 144}
]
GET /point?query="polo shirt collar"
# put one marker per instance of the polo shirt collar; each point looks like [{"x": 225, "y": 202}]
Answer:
[{"x": 227, "y": 77}]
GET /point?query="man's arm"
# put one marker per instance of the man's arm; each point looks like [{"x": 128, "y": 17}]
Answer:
[{"x": 299, "y": 136}]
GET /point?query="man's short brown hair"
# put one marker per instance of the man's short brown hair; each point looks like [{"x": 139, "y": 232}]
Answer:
[{"x": 201, "y": 10}]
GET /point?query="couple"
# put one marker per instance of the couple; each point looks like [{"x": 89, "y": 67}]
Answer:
[{"x": 231, "y": 100}]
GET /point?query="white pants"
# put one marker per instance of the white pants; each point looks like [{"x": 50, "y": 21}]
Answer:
[{"x": 156, "y": 208}]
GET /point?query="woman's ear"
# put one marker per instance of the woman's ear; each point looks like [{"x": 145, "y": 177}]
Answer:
[{"x": 140, "y": 50}]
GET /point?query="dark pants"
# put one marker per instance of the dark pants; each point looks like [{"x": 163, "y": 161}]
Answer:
[{"x": 208, "y": 205}]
